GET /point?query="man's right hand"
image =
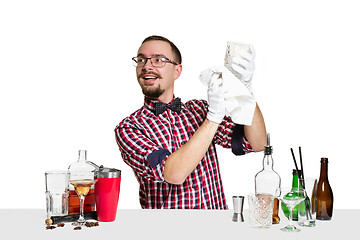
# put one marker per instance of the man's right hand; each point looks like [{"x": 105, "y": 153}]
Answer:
[{"x": 216, "y": 100}]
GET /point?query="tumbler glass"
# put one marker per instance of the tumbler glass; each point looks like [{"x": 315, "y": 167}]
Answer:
[
  {"x": 260, "y": 210},
  {"x": 57, "y": 192},
  {"x": 233, "y": 50}
]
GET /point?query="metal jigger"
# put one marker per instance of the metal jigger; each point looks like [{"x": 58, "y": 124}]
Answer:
[{"x": 238, "y": 202}]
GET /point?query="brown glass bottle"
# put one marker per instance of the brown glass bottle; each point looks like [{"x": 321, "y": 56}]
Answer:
[{"x": 324, "y": 196}]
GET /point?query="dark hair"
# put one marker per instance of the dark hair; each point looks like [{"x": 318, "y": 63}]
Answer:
[{"x": 173, "y": 47}]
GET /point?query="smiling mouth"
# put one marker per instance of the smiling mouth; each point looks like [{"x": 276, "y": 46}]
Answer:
[{"x": 149, "y": 78}]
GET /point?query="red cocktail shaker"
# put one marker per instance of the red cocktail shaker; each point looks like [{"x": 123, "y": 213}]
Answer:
[{"x": 107, "y": 190}]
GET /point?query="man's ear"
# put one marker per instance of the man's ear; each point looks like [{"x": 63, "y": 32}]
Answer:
[{"x": 178, "y": 70}]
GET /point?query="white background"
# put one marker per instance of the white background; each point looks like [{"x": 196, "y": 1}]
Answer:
[{"x": 67, "y": 80}]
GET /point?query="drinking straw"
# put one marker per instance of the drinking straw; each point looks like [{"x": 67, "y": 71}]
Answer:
[
  {"x": 302, "y": 178},
  {"x": 296, "y": 166},
  {"x": 307, "y": 207}
]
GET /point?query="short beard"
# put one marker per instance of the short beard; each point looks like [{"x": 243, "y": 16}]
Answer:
[{"x": 152, "y": 93}]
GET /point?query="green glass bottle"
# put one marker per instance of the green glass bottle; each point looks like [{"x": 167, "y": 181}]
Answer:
[{"x": 301, "y": 206}]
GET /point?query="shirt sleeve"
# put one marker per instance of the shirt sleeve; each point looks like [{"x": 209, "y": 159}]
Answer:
[
  {"x": 239, "y": 143},
  {"x": 231, "y": 135},
  {"x": 138, "y": 151}
]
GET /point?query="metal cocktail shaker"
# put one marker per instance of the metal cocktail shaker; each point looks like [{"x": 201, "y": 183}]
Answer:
[{"x": 107, "y": 190}]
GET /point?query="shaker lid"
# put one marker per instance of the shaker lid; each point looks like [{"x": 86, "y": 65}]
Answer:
[{"x": 108, "y": 172}]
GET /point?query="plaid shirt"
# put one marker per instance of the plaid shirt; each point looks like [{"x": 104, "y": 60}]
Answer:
[{"x": 146, "y": 140}]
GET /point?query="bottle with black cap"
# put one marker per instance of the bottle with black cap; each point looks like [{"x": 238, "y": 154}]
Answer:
[{"x": 267, "y": 180}]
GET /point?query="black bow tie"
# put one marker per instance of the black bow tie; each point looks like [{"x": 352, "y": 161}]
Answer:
[{"x": 175, "y": 105}]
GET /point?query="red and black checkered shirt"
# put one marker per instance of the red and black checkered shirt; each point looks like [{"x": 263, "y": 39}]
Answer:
[{"x": 146, "y": 140}]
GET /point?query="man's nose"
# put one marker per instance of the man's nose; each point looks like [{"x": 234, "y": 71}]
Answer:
[{"x": 148, "y": 64}]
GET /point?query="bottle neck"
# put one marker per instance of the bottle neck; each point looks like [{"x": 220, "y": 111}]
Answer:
[
  {"x": 324, "y": 170},
  {"x": 268, "y": 162},
  {"x": 82, "y": 156},
  {"x": 295, "y": 183}
]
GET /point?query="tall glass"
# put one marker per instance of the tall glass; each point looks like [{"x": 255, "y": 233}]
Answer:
[
  {"x": 290, "y": 197},
  {"x": 307, "y": 214},
  {"x": 82, "y": 182}
]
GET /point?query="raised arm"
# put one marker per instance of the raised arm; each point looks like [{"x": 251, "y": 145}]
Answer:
[{"x": 256, "y": 133}]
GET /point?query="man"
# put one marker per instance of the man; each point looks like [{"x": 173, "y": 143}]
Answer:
[{"x": 171, "y": 145}]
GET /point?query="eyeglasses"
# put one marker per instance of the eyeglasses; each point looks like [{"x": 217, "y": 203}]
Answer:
[{"x": 157, "y": 62}]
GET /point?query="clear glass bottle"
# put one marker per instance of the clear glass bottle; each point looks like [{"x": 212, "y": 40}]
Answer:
[
  {"x": 81, "y": 165},
  {"x": 267, "y": 180}
]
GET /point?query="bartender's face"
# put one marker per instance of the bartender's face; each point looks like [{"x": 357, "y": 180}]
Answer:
[{"x": 157, "y": 83}]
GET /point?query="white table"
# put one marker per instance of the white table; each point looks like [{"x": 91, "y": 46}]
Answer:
[{"x": 170, "y": 224}]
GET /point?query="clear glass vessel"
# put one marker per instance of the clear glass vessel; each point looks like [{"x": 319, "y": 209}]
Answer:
[{"x": 267, "y": 180}]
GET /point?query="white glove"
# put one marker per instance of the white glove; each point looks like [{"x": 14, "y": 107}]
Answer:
[
  {"x": 243, "y": 66},
  {"x": 228, "y": 91},
  {"x": 216, "y": 100}
]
